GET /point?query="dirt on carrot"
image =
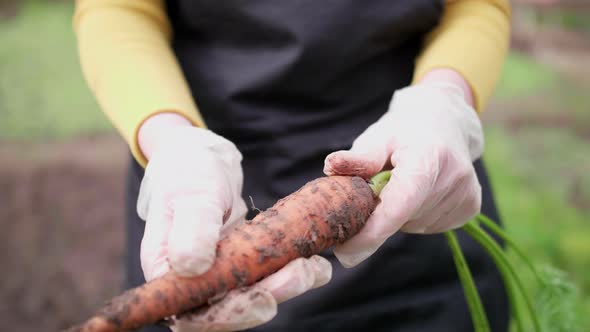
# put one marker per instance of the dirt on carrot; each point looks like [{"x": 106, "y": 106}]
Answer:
[{"x": 324, "y": 212}]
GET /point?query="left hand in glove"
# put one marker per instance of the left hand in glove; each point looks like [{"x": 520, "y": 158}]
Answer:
[
  {"x": 430, "y": 136},
  {"x": 191, "y": 190}
]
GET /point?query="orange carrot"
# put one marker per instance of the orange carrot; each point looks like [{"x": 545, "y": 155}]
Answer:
[{"x": 321, "y": 214}]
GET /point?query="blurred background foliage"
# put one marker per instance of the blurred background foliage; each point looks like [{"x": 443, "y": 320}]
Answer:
[
  {"x": 537, "y": 127},
  {"x": 42, "y": 92}
]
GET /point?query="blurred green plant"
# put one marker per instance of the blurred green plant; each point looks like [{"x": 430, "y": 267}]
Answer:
[
  {"x": 42, "y": 92},
  {"x": 521, "y": 75},
  {"x": 541, "y": 165},
  {"x": 566, "y": 18},
  {"x": 537, "y": 215}
]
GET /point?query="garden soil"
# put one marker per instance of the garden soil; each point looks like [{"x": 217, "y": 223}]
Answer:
[{"x": 61, "y": 230}]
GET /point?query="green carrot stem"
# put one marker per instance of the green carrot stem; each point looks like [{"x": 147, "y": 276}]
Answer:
[
  {"x": 379, "y": 181},
  {"x": 487, "y": 222},
  {"x": 515, "y": 309},
  {"x": 480, "y": 320},
  {"x": 510, "y": 288},
  {"x": 511, "y": 279}
]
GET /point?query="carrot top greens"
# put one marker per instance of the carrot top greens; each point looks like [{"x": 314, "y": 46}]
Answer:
[{"x": 554, "y": 310}]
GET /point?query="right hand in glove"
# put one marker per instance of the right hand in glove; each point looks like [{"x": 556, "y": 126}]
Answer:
[{"x": 191, "y": 188}]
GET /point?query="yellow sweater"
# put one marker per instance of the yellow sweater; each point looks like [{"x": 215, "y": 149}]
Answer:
[{"x": 141, "y": 76}]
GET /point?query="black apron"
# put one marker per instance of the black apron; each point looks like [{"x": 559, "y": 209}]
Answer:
[{"x": 291, "y": 81}]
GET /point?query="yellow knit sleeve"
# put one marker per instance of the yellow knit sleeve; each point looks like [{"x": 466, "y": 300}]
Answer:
[
  {"x": 472, "y": 39},
  {"x": 126, "y": 58}
]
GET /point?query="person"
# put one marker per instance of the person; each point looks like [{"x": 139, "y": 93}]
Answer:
[{"x": 228, "y": 102}]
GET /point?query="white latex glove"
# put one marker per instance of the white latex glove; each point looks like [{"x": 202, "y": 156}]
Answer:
[
  {"x": 191, "y": 187},
  {"x": 242, "y": 309},
  {"x": 431, "y": 136}
]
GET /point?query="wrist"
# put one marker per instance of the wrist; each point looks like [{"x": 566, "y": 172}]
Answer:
[
  {"x": 438, "y": 106},
  {"x": 155, "y": 127},
  {"x": 450, "y": 76}
]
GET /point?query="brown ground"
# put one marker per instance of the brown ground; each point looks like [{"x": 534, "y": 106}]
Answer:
[{"x": 62, "y": 230}]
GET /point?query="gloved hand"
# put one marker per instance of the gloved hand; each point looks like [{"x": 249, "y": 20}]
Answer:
[
  {"x": 242, "y": 309},
  {"x": 192, "y": 186},
  {"x": 430, "y": 136}
]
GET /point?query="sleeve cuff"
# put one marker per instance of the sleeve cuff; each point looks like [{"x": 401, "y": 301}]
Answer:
[{"x": 194, "y": 118}]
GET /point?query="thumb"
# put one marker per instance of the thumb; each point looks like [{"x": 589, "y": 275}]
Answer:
[
  {"x": 363, "y": 162},
  {"x": 154, "y": 247},
  {"x": 401, "y": 198},
  {"x": 195, "y": 231}
]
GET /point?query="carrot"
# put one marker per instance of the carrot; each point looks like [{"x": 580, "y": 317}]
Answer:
[{"x": 324, "y": 212}]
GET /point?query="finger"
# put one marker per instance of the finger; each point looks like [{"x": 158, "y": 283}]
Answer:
[
  {"x": 154, "y": 244},
  {"x": 322, "y": 269},
  {"x": 240, "y": 309},
  {"x": 195, "y": 230},
  {"x": 401, "y": 199},
  {"x": 298, "y": 277},
  {"x": 440, "y": 203},
  {"x": 360, "y": 163},
  {"x": 458, "y": 185},
  {"x": 432, "y": 216},
  {"x": 238, "y": 212},
  {"x": 467, "y": 205},
  {"x": 444, "y": 190},
  {"x": 143, "y": 198}
]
